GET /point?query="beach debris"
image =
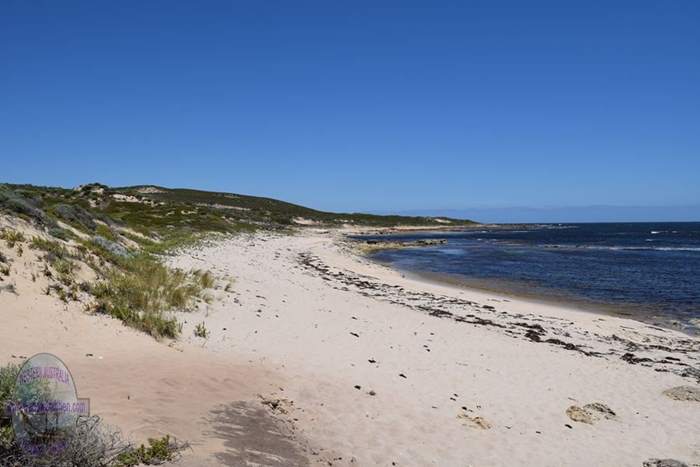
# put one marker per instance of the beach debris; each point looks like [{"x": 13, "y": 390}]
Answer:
[
  {"x": 402, "y": 375},
  {"x": 590, "y": 413},
  {"x": 276, "y": 405},
  {"x": 475, "y": 421},
  {"x": 633, "y": 359},
  {"x": 354, "y": 334},
  {"x": 664, "y": 463},
  {"x": 372, "y": 392},
  {"x": 683, "y": 393},
  {"x": 358, "y": 387}
]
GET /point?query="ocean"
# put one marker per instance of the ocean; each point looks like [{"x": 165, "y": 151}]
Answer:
[{"x": 646, "y": 271}]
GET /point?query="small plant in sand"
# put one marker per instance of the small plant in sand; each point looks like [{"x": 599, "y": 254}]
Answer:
[
  {"x": 206, "y": 279},
  {"x": 12, "y": 237},
  {"x": 201, "y": 331}
]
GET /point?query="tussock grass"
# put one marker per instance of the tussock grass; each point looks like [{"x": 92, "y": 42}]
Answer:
[
  {"x": 206, "y": 279},
  {"x": 12, "y": 237},
  {"x": 62, "y": 262},
  {"x": 143, "y": 291},
  {"x": 201, "y": 331},
  {"x": 50, "y": 246}
]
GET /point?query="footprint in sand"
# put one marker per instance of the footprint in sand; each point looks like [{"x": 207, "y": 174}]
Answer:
[{"x": 590, "y": 413}]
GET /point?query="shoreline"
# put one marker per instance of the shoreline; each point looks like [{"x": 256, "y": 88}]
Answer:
[
  {"x": 383, "y": 368},
  {"x": 538, "y": 294},
  {"x": 581, "y": 304}
]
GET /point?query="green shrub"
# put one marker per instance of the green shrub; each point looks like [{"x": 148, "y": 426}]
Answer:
[
  {"x": 159, "y": 451},
  {"x": 75, "y": 215},
  {"x": 8, "y": 375},
  {"x": 105, "y": 232},
  {"x": 61, "y": 234}
]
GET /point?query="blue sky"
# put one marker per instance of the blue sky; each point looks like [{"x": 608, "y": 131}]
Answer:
[{"x": 363, "y": 105}]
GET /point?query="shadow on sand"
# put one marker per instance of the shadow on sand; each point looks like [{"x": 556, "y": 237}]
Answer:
[{"x": 253, "y": 437}]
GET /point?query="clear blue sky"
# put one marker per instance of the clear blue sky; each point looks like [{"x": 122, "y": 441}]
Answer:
[{"x": 358, "y": 105}]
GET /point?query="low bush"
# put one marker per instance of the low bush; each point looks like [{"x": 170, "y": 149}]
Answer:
[
  {"x": 75, "y": 215},
  {"x": 158, "y": 451},
  {"x": 61, "y": 234},
  {"x": 27, "y": 206}
]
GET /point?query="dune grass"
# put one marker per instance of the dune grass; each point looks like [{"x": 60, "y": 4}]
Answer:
[
  {"x": 12, "y": 237},
  {"x": 142, "y": 293}
]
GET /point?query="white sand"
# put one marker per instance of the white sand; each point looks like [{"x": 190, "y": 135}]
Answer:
[
  {"x": 286, "y": 316},
  {"x": 289, "y": 334}
]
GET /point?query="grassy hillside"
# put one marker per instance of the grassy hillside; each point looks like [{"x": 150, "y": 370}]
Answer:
[{"x": 159, "y": 211}]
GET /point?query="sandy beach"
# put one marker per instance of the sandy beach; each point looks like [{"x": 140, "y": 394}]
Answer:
[{"x": 318, "y": 356}]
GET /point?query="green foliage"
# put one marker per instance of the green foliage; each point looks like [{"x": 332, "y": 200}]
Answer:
[
  {"x": 24, "y": 204},
  {"x": 143, "y": 290},
  {"x": 8, "y": 375},
  {"x": 158, "y": 451},
  {"x": 75, "y": 215},
  {"x": 64, "y": 266},
  {"x": 12, "y": 237},
  {"x": 104, "y": 231},
  {"x": 54, "y": 248},
  {"x": 61, "y": 234},
  {"x": 201, "y": 331},
  {"x": 206, "y": 279}
]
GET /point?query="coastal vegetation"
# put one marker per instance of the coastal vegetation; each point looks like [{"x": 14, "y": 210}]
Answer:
[
  {"x": 121, "y": 235},
  {"x": 89, "y": 444}
]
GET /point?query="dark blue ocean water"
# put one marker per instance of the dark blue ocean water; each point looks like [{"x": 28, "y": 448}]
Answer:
[{"x": 649, "y": 271}]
